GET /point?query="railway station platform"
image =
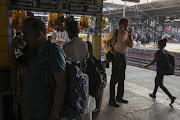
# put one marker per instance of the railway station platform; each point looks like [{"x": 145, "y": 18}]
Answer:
[{"x": 138, "y": 84}]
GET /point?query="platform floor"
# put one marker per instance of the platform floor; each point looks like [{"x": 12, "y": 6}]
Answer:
[{"x": 138, "y": 84}]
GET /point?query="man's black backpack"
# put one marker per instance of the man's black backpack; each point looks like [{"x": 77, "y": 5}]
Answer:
[
  {"x": 96, "y": 73},
  {"x": 167, "y": 64}
]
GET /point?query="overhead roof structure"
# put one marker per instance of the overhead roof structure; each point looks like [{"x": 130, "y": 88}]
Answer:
[
  {"x": 112, "y": 7},
  {"x": 166, "y": 8}
]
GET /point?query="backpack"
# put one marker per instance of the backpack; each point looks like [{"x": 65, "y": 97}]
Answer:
[
  {"x": 96, "y": 72},
  {"x": 77, "y": 90},
  {"x": 138, "y": 38},
  {"x": 167, "y": 64},
  {"x": 109, "y": 55}
]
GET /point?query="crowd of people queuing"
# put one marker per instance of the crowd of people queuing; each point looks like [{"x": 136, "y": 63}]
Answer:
[{"x": 38, "y": 101}]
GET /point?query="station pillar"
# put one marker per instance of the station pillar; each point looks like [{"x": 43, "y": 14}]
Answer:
[
  {"x": 4, "y": 34},
  {"x": 160, "y": 27},
  {"x": 98, "y": 33}
]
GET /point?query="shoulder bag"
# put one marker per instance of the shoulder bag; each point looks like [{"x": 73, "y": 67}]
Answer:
[{"x": 109, "y": 55}]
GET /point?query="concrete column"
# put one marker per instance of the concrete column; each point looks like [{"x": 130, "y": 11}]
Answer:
[
  {"x": 155, "y": 32},
  {"x": 97, "y": 45},
  {"x": 4, "y": 42},
  {"x": 124, "y": 9},
  {"x": 161, "y": 24},
  {"x": 176, "y": 31}
]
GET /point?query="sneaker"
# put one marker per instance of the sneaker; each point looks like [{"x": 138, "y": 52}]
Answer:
[
  {"x": 172, "y": 100},
  {"x": 97, "y": 110},
  {"x": 114, "y": 103},
  {"x": 122, "y": 101},
  {"x": 152, "y": 95}
]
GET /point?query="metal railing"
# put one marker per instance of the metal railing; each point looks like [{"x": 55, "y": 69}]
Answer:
[{"x": 141, "y": 57}]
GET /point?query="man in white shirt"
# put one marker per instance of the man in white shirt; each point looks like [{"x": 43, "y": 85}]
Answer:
[
  {"x": 124, "y": 41},
  {"x": 77, "y": 51}
]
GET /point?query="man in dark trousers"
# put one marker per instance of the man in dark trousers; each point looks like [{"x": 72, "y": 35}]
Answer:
[
  {"x": 40, "y": 103},
  {"x": 124, "y": 40}
]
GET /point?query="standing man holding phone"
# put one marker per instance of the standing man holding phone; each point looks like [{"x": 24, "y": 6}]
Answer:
[{"x": 124, "y": 40}]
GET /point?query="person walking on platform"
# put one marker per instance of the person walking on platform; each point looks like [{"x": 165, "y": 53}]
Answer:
[
  {"x": 77, "y": 51},
  {"x": 138, "y": 39},
  {"x": 123, "y": 41},
  {"x": 159, "y": 76}
]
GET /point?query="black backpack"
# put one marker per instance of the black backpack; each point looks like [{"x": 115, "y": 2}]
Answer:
[
  {"x": 76, "y": 99},
  {"x": 167, "y": 64},
  {"x": 96, "y": 73}
]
